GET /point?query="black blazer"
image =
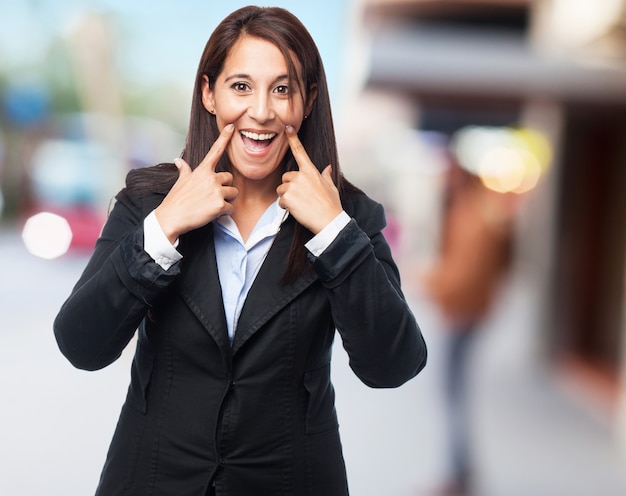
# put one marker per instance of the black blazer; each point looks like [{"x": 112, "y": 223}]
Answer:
[{"x": 257, "y": 418}]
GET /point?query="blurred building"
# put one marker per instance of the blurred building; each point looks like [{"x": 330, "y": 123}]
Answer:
[{"x": 558, "y": 67}]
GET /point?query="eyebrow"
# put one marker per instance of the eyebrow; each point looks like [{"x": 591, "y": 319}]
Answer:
[{"x": 248, "y": 76}]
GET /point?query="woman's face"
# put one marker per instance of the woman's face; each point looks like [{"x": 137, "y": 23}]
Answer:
[{"x": 252, "y": 92}]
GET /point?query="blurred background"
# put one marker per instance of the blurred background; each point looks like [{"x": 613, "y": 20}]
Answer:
[{"x": 527, "y": 98}]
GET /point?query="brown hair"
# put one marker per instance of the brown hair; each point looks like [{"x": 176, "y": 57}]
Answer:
[{"x": 288, "y": 34}]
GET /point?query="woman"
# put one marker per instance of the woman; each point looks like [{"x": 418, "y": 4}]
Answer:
[{"x": 237, "y": 264}]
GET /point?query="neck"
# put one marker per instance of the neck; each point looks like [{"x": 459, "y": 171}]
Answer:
[
  {"x": 253, "y": 200},
  {"x": 256, "y": 191}
]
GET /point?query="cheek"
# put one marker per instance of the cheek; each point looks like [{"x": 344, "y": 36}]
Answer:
[
  {"x": 226, "y": 114},
  {"x": 293, "y": 117}
]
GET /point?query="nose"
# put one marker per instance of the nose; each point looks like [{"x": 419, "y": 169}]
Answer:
[{"x": 260, "y": 108}]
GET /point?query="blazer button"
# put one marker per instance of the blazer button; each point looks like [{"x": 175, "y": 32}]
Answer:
[{"x": 233, "y": 385}]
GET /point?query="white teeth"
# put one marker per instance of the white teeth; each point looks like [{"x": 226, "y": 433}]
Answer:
[{"x": 258, "y": 137}]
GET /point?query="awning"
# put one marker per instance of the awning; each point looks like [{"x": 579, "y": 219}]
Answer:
[{"x": 448, "y": 62}]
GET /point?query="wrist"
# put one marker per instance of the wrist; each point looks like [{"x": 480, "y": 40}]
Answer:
[{"x": 170, "y": 233}]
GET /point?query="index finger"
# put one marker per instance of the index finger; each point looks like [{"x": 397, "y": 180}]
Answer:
[
  {"x": 218, "y": 147},
  {"x": 297, "y": 149}
]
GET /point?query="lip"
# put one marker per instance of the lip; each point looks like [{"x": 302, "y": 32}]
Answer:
[
  {"x": 257, "y": 151},
  {"x": 264, "y": 133}
]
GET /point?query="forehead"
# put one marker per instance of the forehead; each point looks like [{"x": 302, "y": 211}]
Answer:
[{"x": 255, "y": 53}]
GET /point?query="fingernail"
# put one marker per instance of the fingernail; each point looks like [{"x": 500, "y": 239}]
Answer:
[
  {"x": 289, "y": 128},
  {"x": 177, "y": 162},
  {"x": 229, "y": 127}
]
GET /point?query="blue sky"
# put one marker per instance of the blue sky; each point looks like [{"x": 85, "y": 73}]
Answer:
[{"x": 161, "y": 40}]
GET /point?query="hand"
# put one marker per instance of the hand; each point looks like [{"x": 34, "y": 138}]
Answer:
[
  {"x": 312, "y": 198},
  {"x": 199, "y": 195}
]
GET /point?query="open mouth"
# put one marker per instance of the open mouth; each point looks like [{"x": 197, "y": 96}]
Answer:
[{"x": 256, "y": 142}]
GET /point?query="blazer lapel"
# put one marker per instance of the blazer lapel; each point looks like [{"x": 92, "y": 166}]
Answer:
[
  {"x": 199, "y": 284},
  {"x": 268, "y": 294}
]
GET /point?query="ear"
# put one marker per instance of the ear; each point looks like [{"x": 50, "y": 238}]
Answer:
[
  {"x": 310, "y": 99},
  {"x": 208, "y": 98}
]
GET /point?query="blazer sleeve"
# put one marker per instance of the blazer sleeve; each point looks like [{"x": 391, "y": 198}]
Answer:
[
  {"x": 380, "y": 334},
  {"x": 115, "y": 291}
]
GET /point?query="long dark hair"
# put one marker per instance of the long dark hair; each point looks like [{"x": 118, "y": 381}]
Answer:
[{"x": 288, "y": 34}]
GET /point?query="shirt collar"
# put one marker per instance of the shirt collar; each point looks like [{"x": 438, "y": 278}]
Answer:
[{"x": 268, "y": 225}]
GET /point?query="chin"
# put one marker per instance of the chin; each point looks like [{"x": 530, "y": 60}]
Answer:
[{"x": 255, "y": 172}]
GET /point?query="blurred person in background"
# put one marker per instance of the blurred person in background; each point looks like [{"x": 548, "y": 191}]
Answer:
[
  {"x": 238, "y": 263},
  {"x": 475, "y": 253}
]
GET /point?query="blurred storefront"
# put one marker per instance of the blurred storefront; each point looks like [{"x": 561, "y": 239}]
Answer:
[{"x": 557, "y": 67}]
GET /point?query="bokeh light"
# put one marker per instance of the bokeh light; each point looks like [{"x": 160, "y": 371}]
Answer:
[
  {"x": 47, "y": 235},
  {"x": 507, "y": 160}
]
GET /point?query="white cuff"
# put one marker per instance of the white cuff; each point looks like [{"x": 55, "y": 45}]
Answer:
[
  {"x": 156, "y": 244},
  {"x": 322, "y": 240}
]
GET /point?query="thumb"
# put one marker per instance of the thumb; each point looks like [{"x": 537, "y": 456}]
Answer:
[
  {"x": 182, "y": 166},
  {"x": 327, "y": 174}
]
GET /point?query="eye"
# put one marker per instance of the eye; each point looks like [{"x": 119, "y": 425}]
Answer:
[
  {"x": 282, "y": 89},
  {"x": 240, "y": 87}
]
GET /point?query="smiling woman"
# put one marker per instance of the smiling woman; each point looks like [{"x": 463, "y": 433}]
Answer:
[
  {"x": 238, "y": 263},
  {"x": 254, "y": 92}
]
